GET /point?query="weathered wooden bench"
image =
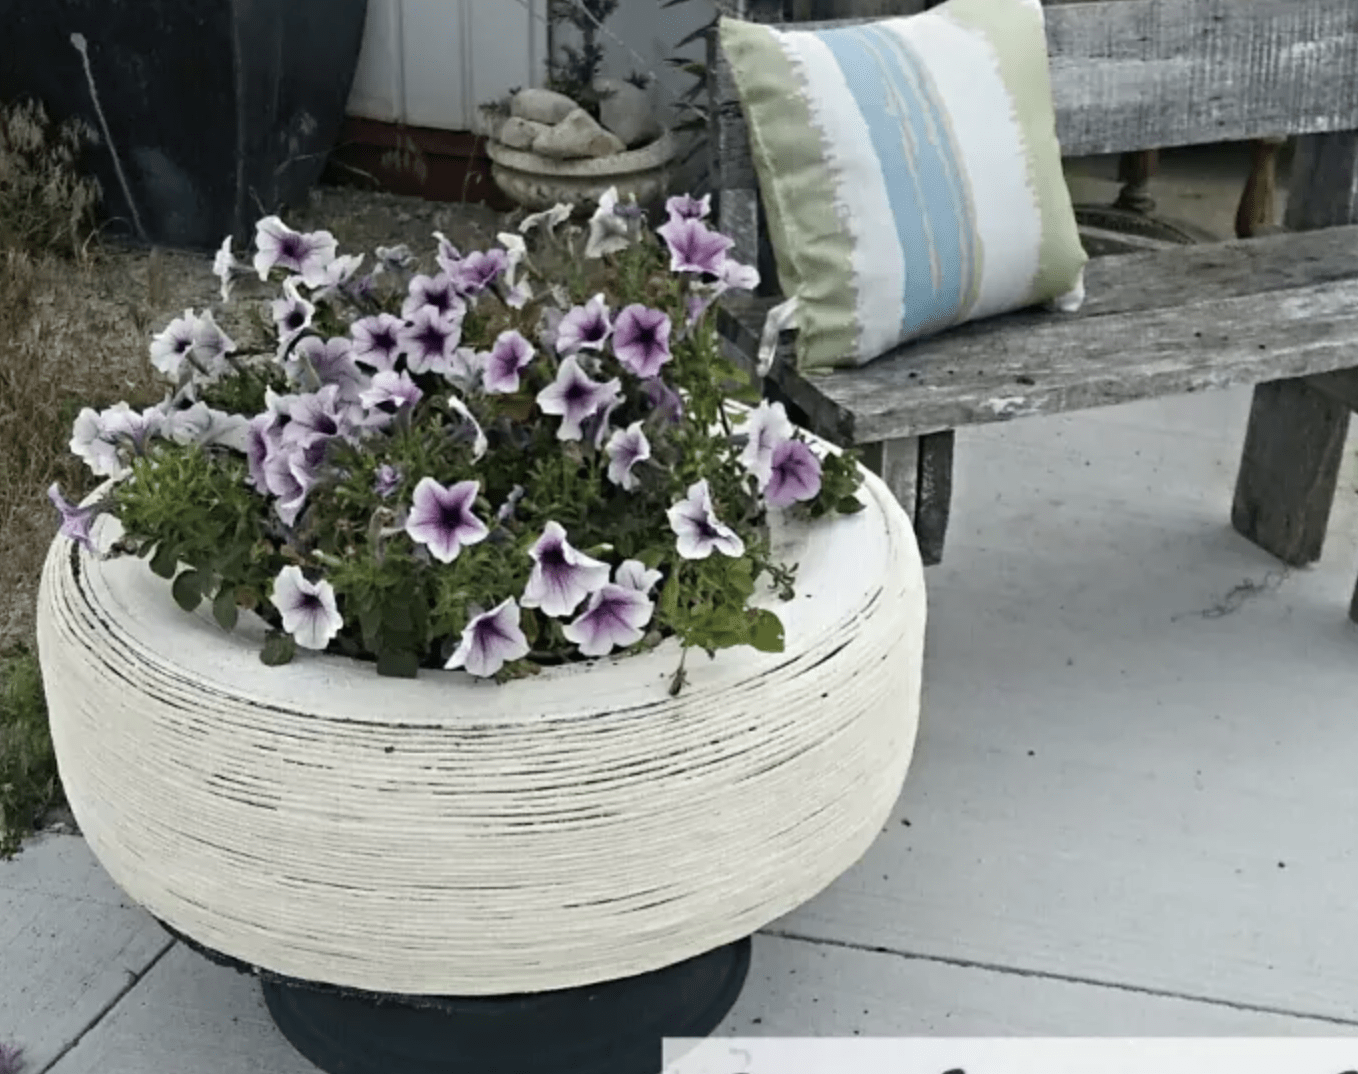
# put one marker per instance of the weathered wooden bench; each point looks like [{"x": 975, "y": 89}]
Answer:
[{"x": 1279, "y": 312}]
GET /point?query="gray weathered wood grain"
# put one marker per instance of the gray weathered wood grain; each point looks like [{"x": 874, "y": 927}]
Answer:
[
  {"x": 1323, "y": 187},
  {"x": 933, "y": 501},
  {"x": 1145, "y": 74},
  {"x": 1156, "y": 323},
  {"x": 1290, "y": 469},
  {"x": 897, "y": 463}
]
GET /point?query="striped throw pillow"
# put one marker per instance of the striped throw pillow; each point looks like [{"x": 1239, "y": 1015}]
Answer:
[{"x": 910, "y": 173}]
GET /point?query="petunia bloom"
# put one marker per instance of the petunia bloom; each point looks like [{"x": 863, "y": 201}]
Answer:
[
  {"x": 392, "y": 389},
  {"x": 615, "y": 617},
  {"x": 609, "y": 232},
  {"x": 332, "y": 362},
  {"x": 200, "y": 424},
  {"x": 386, "y": 481},
  {"x": 480, "y": 445},
  {"x": 291, "y": 314},
  {"x": 490, "y": 641},
  {"x": 210, "y": 345},
  {"x": 441, "y": 518},
  {"x": 478, "y": 270},
  {"x": 687, "y": 207},
  {"x": 697, "y": 527},
  {"x": 225, "y": 266},
  {"x": 633, "y": 574},
  {"x": 549, "y": 219},
  {"x": 76, "y": 521},
  {"x": 429, "y": 340},
  {"x": 308, "y": 609},
  {"x": 625, "y": 449},
  {"x": 794, "y": 474},
  {"x": 584, "y": 328},
  {"x": 335, "y": 278},
  {"x": 170, "y": 348},
  {"x": 574, "y": 397},
  {"x": 377, "y": 340},
  {"x": 506, "y": 360},
  {"x": 437, "y": 291},
  {"x": 641, "y": 340},
  {"x": 767, "y": 427},
  {"x": 694, "y": 247},
  {"x": 561, "y": 577},
  {"x": 667, "y": 404},
  {"x": 279, "y": 246}
]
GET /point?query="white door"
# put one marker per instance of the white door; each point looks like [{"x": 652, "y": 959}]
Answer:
[{"x": 431, "y": 63}]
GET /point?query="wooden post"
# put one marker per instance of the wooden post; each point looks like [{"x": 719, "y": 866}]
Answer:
[
  {"x": 1290, "y": 466},
  {"x": 1257, "y": 212},
  {"x": 1135, "y": 171},
  {"x": 918, "y": 471}
]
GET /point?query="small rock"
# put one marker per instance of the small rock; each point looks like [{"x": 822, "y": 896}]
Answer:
[
  {"x": 541, "y": 106},
  {"x": 521, "y": 133},
  {"x": 626, "y": 110},
  {"x": 575, "y": 137}
]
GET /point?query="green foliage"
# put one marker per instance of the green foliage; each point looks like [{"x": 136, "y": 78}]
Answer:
[{"x": 29, "y": 785}]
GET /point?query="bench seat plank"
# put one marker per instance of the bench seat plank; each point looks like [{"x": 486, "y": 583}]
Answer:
[{"x": 1158, "y": 323}]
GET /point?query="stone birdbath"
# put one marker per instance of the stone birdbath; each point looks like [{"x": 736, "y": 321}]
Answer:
[{"x": 545, "y": 149}]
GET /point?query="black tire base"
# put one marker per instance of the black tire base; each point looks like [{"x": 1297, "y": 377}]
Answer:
[{"x": 613, "y": 1027}]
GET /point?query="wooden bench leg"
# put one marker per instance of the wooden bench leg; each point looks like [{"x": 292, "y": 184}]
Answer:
[
  {"x": 918, "y": 471},
  {"x": 1290, "y": 469},
  {"x": 1353, "y": 607}
]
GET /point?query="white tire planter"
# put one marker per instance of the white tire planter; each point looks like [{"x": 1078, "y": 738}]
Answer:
[
  {"x": 537, "y": 182},
  {"x": 444, "y": 836}
]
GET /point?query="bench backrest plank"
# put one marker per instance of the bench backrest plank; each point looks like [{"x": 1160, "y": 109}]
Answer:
[{"x": 1130, "y": 75}]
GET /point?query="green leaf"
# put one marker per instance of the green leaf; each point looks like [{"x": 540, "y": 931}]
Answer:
[
  {"x": 279, "y": 649},
  {"x": 850, "y": 505},
  {"x": 165, "y": 562},
  {"x": 766, "y": 633},
  {"x": 187, "y": 590},
  {"x": 398, "y": 663},
  {"x": 224, "y": 608}
]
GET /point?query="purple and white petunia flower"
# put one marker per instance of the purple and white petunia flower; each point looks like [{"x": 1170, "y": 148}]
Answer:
[
  {"x": 794, "y": 474},
  {"x": 506, "y": 360},
  {"x": 322, "y": 415},
  {"x": 448, "y": 255},
  {"x": 667, "y": 404},
  {"x": 308, "y": 255},
  {"x": 585, "y": 327},
  {"x": 437, "y": 291},
  {"x": 386, "y": 481},
  {"x": 441, "y": 518},
  {"x": 633, "y": 574},
  {"x": 211, "y": 346},
  {"x": 377, "y": 340},
  {"x": 562, "y": 576},
  {"x": 332, "y": 362},
  {"x": 549, "y": 219},
  {"x": 480, "y": 445},
  {"x": 225, "y": 267},
  {"x": 736, "y": 277},
  {"x": 767, "y": 426},
  {"x": 641, "y": 340},
  {"x": 697, "y": 527},
  {"x": 290, "y": 471},
  {"x": 516, "y": 251},
  {"x": 308, "y": 609},
  {"x": 430, "y": 340},
  {"x": 291, "y": 314},
  {"x": 609, "y": 231},
  {"x": 687, "y": 207},
  {"x": 170, "y": 348},
  {"x": 263, "y": 437},
  {"x": 335, "y": 277},
  {"x": 389, "y": 388},
  {"x": 490, "y": 641},
  {"x": 507, "y": 508},
  {"x": 394, "y": 258},
  {"x": 200, "y": 424},
  {"x": 694, "y": 247},
  {"x": 573, "y": 396},
  {"x": 615, "y": 617},
  {"x": 76, "y": 521},
  {"x": 466, "y": 368},
  {"x": 625, "y": 449},
  {"x": 478, "y": 270}
]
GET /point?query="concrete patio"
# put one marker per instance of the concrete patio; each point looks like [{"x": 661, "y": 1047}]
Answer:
[{"x": 1130, "y": 812}]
